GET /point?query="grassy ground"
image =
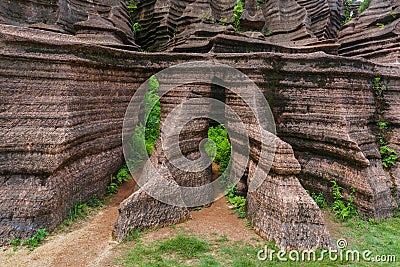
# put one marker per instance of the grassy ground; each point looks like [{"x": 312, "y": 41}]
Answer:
[{"x": 186, "y": 249}]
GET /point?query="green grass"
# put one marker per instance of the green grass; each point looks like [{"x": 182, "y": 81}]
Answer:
[
  {"x": 379, "y": 237},
  {"x": 184, "y": 249}
]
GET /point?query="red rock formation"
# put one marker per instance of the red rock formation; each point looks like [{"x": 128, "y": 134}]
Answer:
[{"x": 66, "y": 83}]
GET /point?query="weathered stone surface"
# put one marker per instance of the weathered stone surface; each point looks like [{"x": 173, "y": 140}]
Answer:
[
  {"x": 191, "y": 26},
  {"x": 282, "y": 211},
  {"x": 141, "y": 211},
  {"x": 102, "y": 22},
  {"x": 65, "y": 91},
  {"x": 374, "y": 34}
]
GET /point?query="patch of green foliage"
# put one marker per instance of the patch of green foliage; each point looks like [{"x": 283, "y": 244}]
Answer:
[
  {"x": 36, "y": 239},
  {"x": 136, "y": 27},
  {"x": 237, "y": 13},
  {"x": 82, "y": 210},
  {"x": 347, "y": 15},
  {"x": 378, "y": 88},
  {"x": 220, "y": 147},
  {"x": 393, "y": 14},
  {"x": 145, "y": 135},
  {"x": 32, "y": 242},
  {"x": 381, "y": 135},
  {"x": 122, "y": 176},
  {"x": 16, "y": 242},
  {"x": 319, "y": 199},
  {"x": 389, "y": 156},
  {"x": 78, "y": 211},
  {"x": 238, "y": 202},
  {"x": 380, "y": 25},
  {"x": 223, "y": 21},
  {"x": 364, "y": 5},
  {"x": 131, "y": 5},
  {"x": 344, "y": 209}
]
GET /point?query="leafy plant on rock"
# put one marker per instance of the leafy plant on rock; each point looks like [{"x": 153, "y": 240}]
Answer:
[{"x": 389, "y": 156}]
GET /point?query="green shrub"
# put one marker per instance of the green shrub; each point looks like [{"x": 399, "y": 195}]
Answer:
[
  {"x": 343, "y": 211},
  {"x": 378, "y": 88},
  {"x": 15, "y": 243},
  {"x": 221, "y": 149},
  {"x": 238, "y": 202},
  {"x": 122, "y": 176},
  {"x": 79, "y": 210},
  {"x": 237, "y": 13},
  {"x": 95, "y": 202},
  {"x": 136, "y": 27},
  {"x": 143, "y": 139}
]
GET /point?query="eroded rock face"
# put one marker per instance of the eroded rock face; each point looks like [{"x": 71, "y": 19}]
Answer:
[
  {"x": 282, "y": 211},
  {"x": 196, "y": 25},
  {"x": 375, "y": 34},
  {"x": 101, "y": 22},
  {"x": 65, "y": 91}
]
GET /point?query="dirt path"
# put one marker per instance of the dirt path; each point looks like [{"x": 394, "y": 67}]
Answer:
[
  {"x": 88, "y": 245},
  {"x": 90, "y": 242}
]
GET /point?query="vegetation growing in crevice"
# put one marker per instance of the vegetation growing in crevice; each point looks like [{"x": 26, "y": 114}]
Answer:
[
  {"x": 346, "y": 8},
  {"x": 237, "y": 13},
  {"x": 319, "y": 199},
  {"x": 343, "y": 208},
  {"x": 388, "y": 155},
  {"x": 81, "y": 210},
  {"x": 364, "y": 5}
]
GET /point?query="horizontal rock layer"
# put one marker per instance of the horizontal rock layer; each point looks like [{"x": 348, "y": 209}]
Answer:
[
  {"x": 190, "y": 25},
  {"x": 374, "y": 34},
  {"x": 102, "y": 22}
]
